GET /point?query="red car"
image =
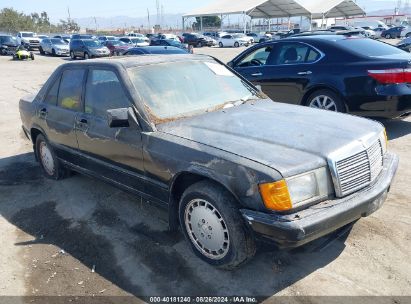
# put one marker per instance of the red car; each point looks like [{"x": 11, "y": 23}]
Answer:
[{"x": 116, "y": 47}]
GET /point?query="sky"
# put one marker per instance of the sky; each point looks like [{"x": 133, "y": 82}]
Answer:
[{"x": 57, "y": 9}]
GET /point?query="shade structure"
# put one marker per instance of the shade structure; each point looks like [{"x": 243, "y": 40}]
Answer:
[
  {"x": 280, "y": 8},
  {"x": 253, "y": 8},
  {"x": 333, "y": 8}
]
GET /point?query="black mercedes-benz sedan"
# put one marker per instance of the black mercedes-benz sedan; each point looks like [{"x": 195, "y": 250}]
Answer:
[
  {"x": 229, "y": 165},
  {"x": 333, "y": 72}
]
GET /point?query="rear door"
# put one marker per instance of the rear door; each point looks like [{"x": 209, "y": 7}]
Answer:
[
  {"x": 114, "y": 153},
  {"x": 59, "y": 111}
]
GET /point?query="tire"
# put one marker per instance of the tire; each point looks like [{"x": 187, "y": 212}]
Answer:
[
  {"x": 200, "y": 44},
  {"x": 236, "y": 44},
  {"x": 32, "y": 56},
  {"x": 86, "y": 56},
  {"x": 220, "y": 45},
  {"x": 388, "y": 36},
  {"x": 72, "y": 56},
  {"x": 408, "y": 35},
  {"x": 52, "y": 168},
  {"x": 205, "y": 208},
  {"x": 53, "y": 52},
  {"x": 41, "y": 51},
  {"x": 326, "y": 100}
]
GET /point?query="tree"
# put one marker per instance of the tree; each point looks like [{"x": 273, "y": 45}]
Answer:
[
  {"x": 69, "y": 25},
  {"x": 208, "y": 21}
]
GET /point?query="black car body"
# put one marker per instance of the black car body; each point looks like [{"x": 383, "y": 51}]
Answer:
[
  {"x": 358, "y": 75},
  {"x": 405, "y": 44},
  {"x": 8, "y": 45},
  {"x": 185, "y": 132},
  {"x": 394, "y": 32},
  {"x": 87, "y": 48},
  {"x": 196, "y": 40},
  {"x": 155, "y": 50}
]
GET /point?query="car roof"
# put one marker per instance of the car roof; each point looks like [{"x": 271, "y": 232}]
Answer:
[{"x": 134, "y": 61}]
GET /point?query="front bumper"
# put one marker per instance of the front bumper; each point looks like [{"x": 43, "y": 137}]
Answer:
[{"x": 299, "y": 228}]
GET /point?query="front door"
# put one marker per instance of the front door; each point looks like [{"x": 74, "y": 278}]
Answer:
[{"x": 114, "y": 153}]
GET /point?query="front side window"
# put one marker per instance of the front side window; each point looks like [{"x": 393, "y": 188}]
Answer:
[
  {"x": 104, "y": 92},
  {"x": 257, "y": 57},
  {"x": 175, "y": 90},
  {"x": 71, "y": 85}
]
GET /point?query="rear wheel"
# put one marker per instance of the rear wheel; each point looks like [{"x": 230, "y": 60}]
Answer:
[
  {"x": 408, "y": 35},
  {"x": 86, "y": 56},
  {"x": 326, "y": 100},
  {"x": 213, "y": 225},
  {"x": 72, "y": 56},
  {"x": 236, "y": 44},
  {"x": 50, "y": 164},
  {"x": 388, "y": 36},
  {"x": 220, "y": 45},
  {"x": 41, "y": 51},
  {"x": 31, "y": 56},
  {"x": 53, "y": 52}
]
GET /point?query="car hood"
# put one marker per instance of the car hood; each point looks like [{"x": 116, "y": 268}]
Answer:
[
  {"x": 290, "y": 139},
  {"x": 9, "y": 44}
]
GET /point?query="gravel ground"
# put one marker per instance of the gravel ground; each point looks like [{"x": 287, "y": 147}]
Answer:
[{"x": 81, "y": 237}]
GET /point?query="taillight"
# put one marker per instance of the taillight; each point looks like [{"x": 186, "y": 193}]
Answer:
[{"x": 391, "y": 76}]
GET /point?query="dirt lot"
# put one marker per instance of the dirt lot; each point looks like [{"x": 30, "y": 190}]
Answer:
[{"x": 81, "y": 237}]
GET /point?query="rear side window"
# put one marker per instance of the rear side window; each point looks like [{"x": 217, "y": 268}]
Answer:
[
  {"x": 368, "y": 47},
  {"x": 104, "y": 92},
  {"x": 71, "y": 85},
  {"x": 51, "y": 97}
]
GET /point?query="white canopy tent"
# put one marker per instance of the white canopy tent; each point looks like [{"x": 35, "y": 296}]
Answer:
[{"x": 269, "y": 9}]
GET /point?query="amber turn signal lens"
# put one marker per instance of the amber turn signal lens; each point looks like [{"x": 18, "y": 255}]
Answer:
[{"x": 276, "y": 196}]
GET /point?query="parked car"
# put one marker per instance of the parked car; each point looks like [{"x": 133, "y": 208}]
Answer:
[
  {"x": 369, "y": 32},
  {"x": 155, "y": 50},
  {"x": 334, "y": 72},
  {"x": 394, "y": 32},
  {"x": 138, "y": 35},
  {"x": 41, "y": 37},
  {"x": 405, "y": 44},
  {"x": 87, "y": 48},
  {"x": 134, "y": 41},
  {"x": 195, "y": 40},
  {"x": 28, "y": 39},
  {"x": 116, "y": 47},
  {"x": 174, "y": 43},
  {"x": 65, "y": 38},
  {"x": 235, "y": 40},
  {"x": 378, "y": 31},
  {"x": 169, "y": 37},
  {"x": 260, "y": 37},
  {"x": 406, "y": 32},
  {"x": 81, "y": 36},
  {"x": 54, "y": 46},
  {"x": 106, "y": 38},
  {"x": 228, "y": 167},
  {"x": 8, "y": 45}
]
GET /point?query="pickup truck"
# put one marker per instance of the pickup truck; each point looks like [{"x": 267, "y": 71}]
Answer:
[
  {"x": 28, "y": 39},
  {"x": 230, "y": 167}
]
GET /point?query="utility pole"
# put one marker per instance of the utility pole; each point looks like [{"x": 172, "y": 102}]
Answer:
[
  {"x": 95, "y": 23},
  {"x": 68, "y": 11},
  {"x": 148, "y": 19}
]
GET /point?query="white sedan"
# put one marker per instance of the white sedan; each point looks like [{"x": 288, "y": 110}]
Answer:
[{"x": 235, "y": 40}]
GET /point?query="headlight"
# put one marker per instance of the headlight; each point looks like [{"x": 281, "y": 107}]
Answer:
[{"x": 295, "y": 191}]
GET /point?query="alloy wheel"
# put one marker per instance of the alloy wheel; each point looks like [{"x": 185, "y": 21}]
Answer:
[
  {"x": 323, "y": 102},
  {"x": 207, "y": 229},
  {"x": 46, "y": 158}
]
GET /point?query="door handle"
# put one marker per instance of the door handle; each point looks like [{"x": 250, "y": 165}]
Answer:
[
  {"x": 83, "y": 121},
  {"x": 305, "y": 73},
  {"x": 257, "y": 74},
  {"x": 43, "y": 113}
]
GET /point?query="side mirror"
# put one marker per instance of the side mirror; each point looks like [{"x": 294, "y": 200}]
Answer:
[{"x": 118, "y": 118}]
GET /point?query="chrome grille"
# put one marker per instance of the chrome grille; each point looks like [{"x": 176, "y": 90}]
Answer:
[{"x": 359, "y": 170}]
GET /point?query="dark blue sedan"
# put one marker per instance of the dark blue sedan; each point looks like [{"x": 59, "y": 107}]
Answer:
[
  {"x": 147, "y": 50},
  {"x": 394, "y": 32},
  {"x": 332, "y": 72}
]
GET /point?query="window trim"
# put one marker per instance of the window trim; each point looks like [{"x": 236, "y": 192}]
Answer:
[{"x": 322, "y": 55}]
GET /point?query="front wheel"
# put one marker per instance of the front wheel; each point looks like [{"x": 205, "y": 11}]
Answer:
[
  {"x": 41, "y": 51},
  {"x": 86, "y": 56},
  {"x": 72, "y": 56},
  {"x": 388, "y": 36},
  {"x": 212, "y": 223},
  {"x": 50, "y": 164},
  {"x": 326, "y": 100},
  {"x": 31, "y": 56}
]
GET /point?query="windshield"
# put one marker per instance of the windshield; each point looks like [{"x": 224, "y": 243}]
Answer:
[
  {"x": 369, "y": 47},
  {"x": 138, "y": 40},
  {"x": 91, "y": 43},
  {"x": 239, "y": 35},
  {"x": 57, "y": 41},
  {"x": 117, "y": 42},
  {"x": 27, "y": 34},
  {"x": 176, "y": 90}
]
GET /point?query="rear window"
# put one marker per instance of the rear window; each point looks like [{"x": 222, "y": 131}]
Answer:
[{"x": 368, "y": 47}]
